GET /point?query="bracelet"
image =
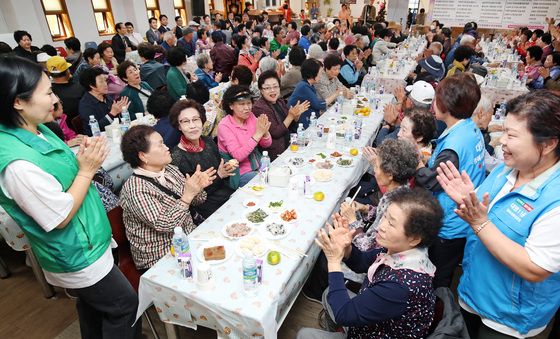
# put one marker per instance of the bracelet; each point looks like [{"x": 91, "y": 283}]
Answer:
[
  {"x": 255, "y": 140},
  {"x": 480, "y": 227},
  {"x": 85, "y": 176}
]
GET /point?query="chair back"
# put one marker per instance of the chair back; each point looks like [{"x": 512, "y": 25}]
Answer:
[
  {"x": 78, "y": 125},
  {"x": 61, "y": 51},
  {"x": 125, "y": 261},
  {"x": 448, "y": 322}
]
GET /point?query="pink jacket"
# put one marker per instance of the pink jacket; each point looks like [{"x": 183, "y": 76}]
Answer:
[
  {"x": 236, "y": 140},
  {"x": 69, "y": 134}
]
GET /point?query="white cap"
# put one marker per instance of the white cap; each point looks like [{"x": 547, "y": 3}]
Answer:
[
  {"x": 265, "y": 153},
  {"x": 43, "y": 57},
  {"x": 92, "y": 116},
  {"x": 178, "y": 230},
  {"x": 193, "y": 23},
  {"x": 421, "y": 92}
]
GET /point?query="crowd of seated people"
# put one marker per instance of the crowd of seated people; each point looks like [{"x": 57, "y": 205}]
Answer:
[{"x": 440, "y": 196}]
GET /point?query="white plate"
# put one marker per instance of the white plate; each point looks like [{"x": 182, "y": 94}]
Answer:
[
  {"x": 225, "y": 234},
  {"x": 316, "y": 163},
  {"x": 290, "y": 162},
  {"x": 345, "y": 158},
  {"x": 242, "y": 251},
  {"x": 275, "y": 210},
  {"x": 200, "y": 252},
  {"x": 291, "y": 221},
  {"x": 322, "y": 179},
  {"x": 253, "y": 210},
  {"x": 268, "y": 235},
  {"x": 247, "y": 201}
]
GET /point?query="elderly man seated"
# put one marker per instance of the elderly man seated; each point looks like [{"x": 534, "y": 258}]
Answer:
[{"x": 421, "y": 95}]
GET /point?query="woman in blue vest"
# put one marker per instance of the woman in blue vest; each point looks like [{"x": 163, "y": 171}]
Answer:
[
  {"x": 48, "y": 191},
  {"x": 461, "y": 143},
  {"x": 510, "y": 285}
]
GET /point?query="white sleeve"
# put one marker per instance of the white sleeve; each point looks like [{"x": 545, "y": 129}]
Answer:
[
  {"x": 37, "y": 193},
  {"x": 543, "y": 243}
]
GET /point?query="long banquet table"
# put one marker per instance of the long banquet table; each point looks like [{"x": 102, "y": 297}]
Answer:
[{"x": 225, "y": 307}]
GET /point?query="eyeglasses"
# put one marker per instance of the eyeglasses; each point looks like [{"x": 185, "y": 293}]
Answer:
[
  {"x": 270, "y": 88},
  {"x": 187, "y": 122}
]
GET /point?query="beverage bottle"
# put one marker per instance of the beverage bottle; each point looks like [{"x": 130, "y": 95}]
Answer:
[
  {"x": 125, "y": 120},
  {"x": 180, "y": 243},
  {"x": 263, "y": 171},
  {"x": 313, "y": 120},
  {"x": 301, "y": 135},
  {"x": 94, "y": 126},
  {"x": 249, "y": 275},
  {"x": 382, "y": 89}
]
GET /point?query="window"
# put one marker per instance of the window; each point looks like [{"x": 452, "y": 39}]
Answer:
[
  {"x": 103, "y": 17},
  {"x": 152, "y": 8},
  {"x": 180, "y": 10},
  {"x": 273, "y": 3},
  {"x": 57, "y": 19},
  {"x": 413, "y": 5}
]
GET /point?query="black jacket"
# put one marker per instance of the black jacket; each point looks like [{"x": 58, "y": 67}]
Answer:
[{"x": 119, "y": 47}]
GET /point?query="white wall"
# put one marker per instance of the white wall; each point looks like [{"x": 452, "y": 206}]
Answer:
[{"x": 28, "y": 15}]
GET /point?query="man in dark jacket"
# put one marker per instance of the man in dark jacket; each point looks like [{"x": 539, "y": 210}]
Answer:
[
  {"x": 120, "y": 43},
  {"x": 223, "y": 56}
]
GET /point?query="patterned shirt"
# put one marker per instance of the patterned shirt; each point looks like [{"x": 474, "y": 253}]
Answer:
[{"x": 150, "y": 215}]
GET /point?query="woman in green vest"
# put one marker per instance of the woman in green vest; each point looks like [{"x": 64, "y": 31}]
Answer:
[{"x": 48, "y": 191}]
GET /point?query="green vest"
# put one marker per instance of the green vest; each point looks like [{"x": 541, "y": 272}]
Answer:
[{"x": 88, "y": 235}]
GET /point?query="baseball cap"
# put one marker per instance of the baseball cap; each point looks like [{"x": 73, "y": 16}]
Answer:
[
  {"x": 43, "y": 57},
  {"x": 433, "y": 65},
  {"x": 57, "y": 64},
  {"x": 330, "y": 26},
  {"x": 421, "y": 92},
  {"x": 193, "y": 23}
]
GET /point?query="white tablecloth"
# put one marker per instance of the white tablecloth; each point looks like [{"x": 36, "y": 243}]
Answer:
[{"x": 225, "y": 307}]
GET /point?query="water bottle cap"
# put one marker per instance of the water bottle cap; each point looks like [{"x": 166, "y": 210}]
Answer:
[
  {"x": 92, "y": 117},
  {"x": 265, "y": 153},
  {"x": 178, "y": 230},
  {"x": 300, "y": 124}
]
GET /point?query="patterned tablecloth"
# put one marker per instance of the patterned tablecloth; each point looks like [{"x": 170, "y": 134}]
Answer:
[
  {"x": 114, "y": 165},
  {"x": 224, "y": 306}
]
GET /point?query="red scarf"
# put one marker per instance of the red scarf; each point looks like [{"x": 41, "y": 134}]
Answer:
[{"x": 190, "y": 147}]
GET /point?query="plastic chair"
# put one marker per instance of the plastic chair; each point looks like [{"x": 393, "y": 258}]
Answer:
[
  {"x": 78, "y": 125},
  {"x": 62, "y": 51},
  {"x": 91, "y": 44},
  {"x": 125, "y": 261}
]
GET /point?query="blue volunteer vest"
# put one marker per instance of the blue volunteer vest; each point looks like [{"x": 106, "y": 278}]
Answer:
[
  {"x": 489, "y": 287},
  {"x": 466, "y": 140}
]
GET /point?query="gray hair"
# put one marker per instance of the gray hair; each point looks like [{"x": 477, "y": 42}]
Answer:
[
  {"x": 315, "y": 52},
  {"x": 466, "y": 40},
  {"x": 398, "y": 158},
  {"x": 188, "y": 30},
  {"x": 436, "y": 47},
  {"x": 201, "y": 60},
  {"x": 484, "y": 104},
  {"x": 167, "y": 35},
  {"x": 268, "y": 64}
]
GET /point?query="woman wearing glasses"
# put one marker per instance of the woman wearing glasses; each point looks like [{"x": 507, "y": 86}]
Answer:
[{"x": 275, "y": 108}]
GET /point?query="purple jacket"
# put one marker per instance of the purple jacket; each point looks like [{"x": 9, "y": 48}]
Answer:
[{"x": 280, "y": 134}]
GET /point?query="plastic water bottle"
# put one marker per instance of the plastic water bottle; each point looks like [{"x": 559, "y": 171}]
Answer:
[
  {"x": 524, "y": 80},
  {"x": 301, "y": 135},
  {"x": 348, "y": 135},
  {"x": 340, "y": 100},
  {"x": 125, "y": 118},
  {"x": 381, "y": 90},
  {"x": 94, "y": 126},
  {"x": 250, "y": 275},
  {"x": 358, "y": 127},
  {"x": 180, "y": 242},
  {"x": 265, "y": 165},
  {"x": 313, "y": 120}
]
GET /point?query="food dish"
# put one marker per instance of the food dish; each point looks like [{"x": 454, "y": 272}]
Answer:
[
  {"x": 275, "y": 206},
  {"x": 336, "y": 154},
  {"x": 228, "y": 252},
  {"x": 257, "y": 216},
  {"x": 214, "y": 253},
  {"x": 276, "y": 230},
  {"x": 237, "y": 230},
  {"x": 325, "y": 164},
  {"x": 345, "y": 162},
  {"x": 250, "y": 203},
  {"x": 289, "y": 215},
  {"x": 323, "y": 175},
  {"x": 296, "y": 161},
  {"x": 251, "y": 245}
]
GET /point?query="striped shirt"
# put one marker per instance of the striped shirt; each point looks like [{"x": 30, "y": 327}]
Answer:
[{"x": 150, "y": 215}]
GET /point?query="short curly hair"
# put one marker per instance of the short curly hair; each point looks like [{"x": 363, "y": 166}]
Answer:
[
  {"x": 123, "y": 67},
  {"x": 181, "y": 105},
  {"x": 424, "y": 215},
  {"x": 134, "y": 141},
  {"x": 398, "y": 158},
  {"x": 423, "y": 124}
]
